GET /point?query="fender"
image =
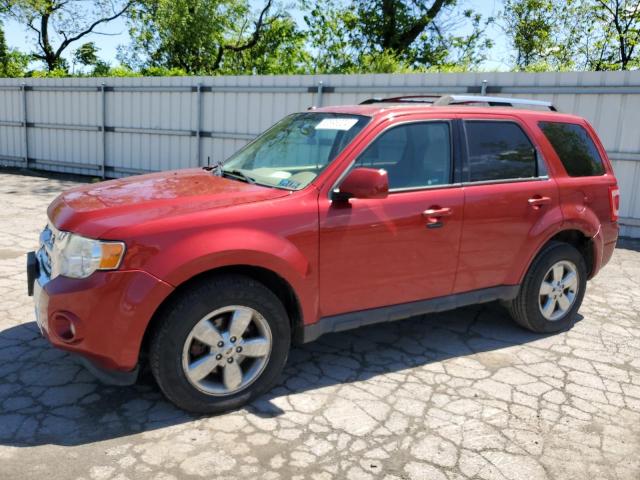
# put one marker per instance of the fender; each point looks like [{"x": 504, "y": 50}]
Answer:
[
  {"x": 582, "y": 225},
  {"x": 594, "y": 232},
  {"x": 547, "y": 226},
  {"x": 579, "y": 216},
  {"x": 207, "y": 250}
]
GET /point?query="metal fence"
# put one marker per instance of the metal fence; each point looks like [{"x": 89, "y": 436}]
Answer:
[{"x": 120, "y": 126}]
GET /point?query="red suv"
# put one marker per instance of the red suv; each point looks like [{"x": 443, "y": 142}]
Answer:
[{"x": 332, "y": 219}]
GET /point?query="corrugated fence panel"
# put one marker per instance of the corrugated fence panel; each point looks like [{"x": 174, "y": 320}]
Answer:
[{"x": 114, "y": 127}]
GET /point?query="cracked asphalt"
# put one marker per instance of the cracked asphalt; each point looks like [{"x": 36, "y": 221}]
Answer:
[{"x": 459, "y": 395}]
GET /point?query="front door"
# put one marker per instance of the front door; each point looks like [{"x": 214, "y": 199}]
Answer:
[{"x": 403, "y": 248}]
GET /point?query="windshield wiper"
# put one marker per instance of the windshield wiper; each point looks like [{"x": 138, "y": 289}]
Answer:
[{"x": 238, "y": 174}]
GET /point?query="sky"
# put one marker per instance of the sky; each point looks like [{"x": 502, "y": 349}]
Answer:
[{"x": 19, "y": 37}]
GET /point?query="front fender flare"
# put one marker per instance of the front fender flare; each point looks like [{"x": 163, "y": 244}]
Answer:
[{"x": 207, "y": 251}]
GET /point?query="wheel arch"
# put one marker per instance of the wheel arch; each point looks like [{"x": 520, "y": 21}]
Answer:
[
  {"x": 582, "y": 242},
  {"x": 270, "y": 279},
  {"x": 575, "y": 237}
]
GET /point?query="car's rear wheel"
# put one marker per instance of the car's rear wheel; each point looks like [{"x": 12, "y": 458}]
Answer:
[
  {"x": 220, "y": 344},
  {"x": 552, "y": 291}
]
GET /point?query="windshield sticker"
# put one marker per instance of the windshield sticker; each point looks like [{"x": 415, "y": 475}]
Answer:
[
  {"x": 286, "y": 183},
  {"x": 280, "y": 174},
  {"x": 336, "y": 124}
]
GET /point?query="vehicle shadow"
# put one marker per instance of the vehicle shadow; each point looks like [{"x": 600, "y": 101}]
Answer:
[{"x": 48, "y": 398}]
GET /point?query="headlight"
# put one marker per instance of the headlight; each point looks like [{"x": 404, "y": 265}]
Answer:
[{"x": 78, "y": 257}]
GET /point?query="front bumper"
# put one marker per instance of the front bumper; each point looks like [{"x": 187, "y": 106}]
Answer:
[{"x": 103, "y": 317}]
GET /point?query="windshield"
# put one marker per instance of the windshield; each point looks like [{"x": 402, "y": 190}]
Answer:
[{"x": 295, "y": 150}]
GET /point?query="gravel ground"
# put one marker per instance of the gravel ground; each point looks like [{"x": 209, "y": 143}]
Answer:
[{"x": 464, "y": 394}]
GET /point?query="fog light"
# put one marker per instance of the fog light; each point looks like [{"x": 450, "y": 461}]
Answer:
[{"x": 65, "y": 326}]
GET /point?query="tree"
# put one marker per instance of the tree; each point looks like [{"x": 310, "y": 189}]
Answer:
[
  {"x": 348, "y": 35},
  {"x": 331, "y": 36},
  {"x": 281, "y": 50},
  {"x": 573, "y": 34},
  {"x": 200, "y": 36},
  {"x": 529, "y": 25},
  {"x": 86, "y": 54},
  {"x": 57, "y": 24},
  {"x": 615, "y": 43},
  {"x": 4, "y": 52},
  {"x": 12, "y": 62}
]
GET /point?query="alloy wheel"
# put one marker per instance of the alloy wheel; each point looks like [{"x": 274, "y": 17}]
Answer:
[
  {"x": 227, "y": 350},
  {"x": 558, "y": 290}
]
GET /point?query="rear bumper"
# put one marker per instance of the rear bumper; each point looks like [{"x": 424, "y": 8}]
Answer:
[{"x": 102, "y": 318}]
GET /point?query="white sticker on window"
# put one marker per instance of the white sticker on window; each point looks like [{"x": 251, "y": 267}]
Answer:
[
  {"x": 280, "y": 174},
  {"x": 336, "y": 124}
]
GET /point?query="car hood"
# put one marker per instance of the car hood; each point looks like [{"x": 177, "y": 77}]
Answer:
[{"x": 93, "y": 210}]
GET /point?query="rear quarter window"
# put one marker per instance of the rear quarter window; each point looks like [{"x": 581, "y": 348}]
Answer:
[{"x": 575, "y": 147}]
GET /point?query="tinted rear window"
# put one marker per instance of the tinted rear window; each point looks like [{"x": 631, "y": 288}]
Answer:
[
  {"x": 574, "y": 146},
  {"x": 499, "y": 151}
]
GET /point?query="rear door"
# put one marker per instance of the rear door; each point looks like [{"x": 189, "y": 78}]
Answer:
[{"x": 507, "y": 195}]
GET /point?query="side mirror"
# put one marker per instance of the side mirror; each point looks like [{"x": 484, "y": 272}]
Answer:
[{"x": 363, "y": 183}]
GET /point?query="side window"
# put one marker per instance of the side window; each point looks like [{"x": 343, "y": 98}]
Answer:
[
  {"x": 574, "y": 146},
  {"x": 414, "y": 155},
  {"x": 499, "y": 151}
]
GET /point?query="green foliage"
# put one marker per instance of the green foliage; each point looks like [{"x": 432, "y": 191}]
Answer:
[
  {"x": 530, "y": 25},
  {"x": 562, "y": 35},
  {"x": 162, "y": 72},
  {"x": 281, "y": 50},
  {"x": 393, "y": 35},
  {"x": 207, "y": 37},
  {"x": 86, "y": 54},
  {"x": 57, "y": 24},
  {"x": 4, "y": 50},
  {"x": 225, "y": 37},
  {"x": 180, "y": 33},
  {"x": 17, "y": 64},
  {"x": 55, "y": 73},
  {"x": 613, "y": 35},
  {"x": 12, "y": 62},
  {"x": 121, "y": 71},
  {"x": 334, "y": 48},
  {"x": 100, "y": 69}
]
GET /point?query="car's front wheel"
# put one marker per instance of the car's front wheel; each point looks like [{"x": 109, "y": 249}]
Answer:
[
  {"x": 552, "y": 290},
  {"x": 220, "y": 343}
]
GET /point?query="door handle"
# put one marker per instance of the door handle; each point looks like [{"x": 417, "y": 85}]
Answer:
[
  {"x": 538, "y": 201},
  {"x": 434, "y": 215},
  {"x": 437, "y": 212}
]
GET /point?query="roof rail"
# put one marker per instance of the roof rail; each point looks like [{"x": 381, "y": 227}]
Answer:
[
  {"x": 492, "y": 101},
  {"x": 403, "y": 99},
  {"x": 439, "y": 100}
]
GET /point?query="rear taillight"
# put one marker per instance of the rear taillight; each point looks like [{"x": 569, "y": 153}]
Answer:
[{"x": 614, "y": 202}]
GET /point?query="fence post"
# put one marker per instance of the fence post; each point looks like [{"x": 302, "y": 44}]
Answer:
[
  {"x": 483, "y": 90},
  {"x": 198, "y": 122},
  {"x": 103, "y": 157},
  {"x": 319, "y": 94},
  {"x": 24, "y": 125}
]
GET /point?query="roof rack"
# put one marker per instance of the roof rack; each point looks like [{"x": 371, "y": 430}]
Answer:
[
  {"x": 403, "y": 99},
  {"x": 492, "y": 101},
  {"x": 439, "y": 100}
]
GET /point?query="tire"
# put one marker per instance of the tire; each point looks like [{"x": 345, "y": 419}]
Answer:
[
  {"x": 216, "y": 302},
  {"x": 527, "y": 308}
]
